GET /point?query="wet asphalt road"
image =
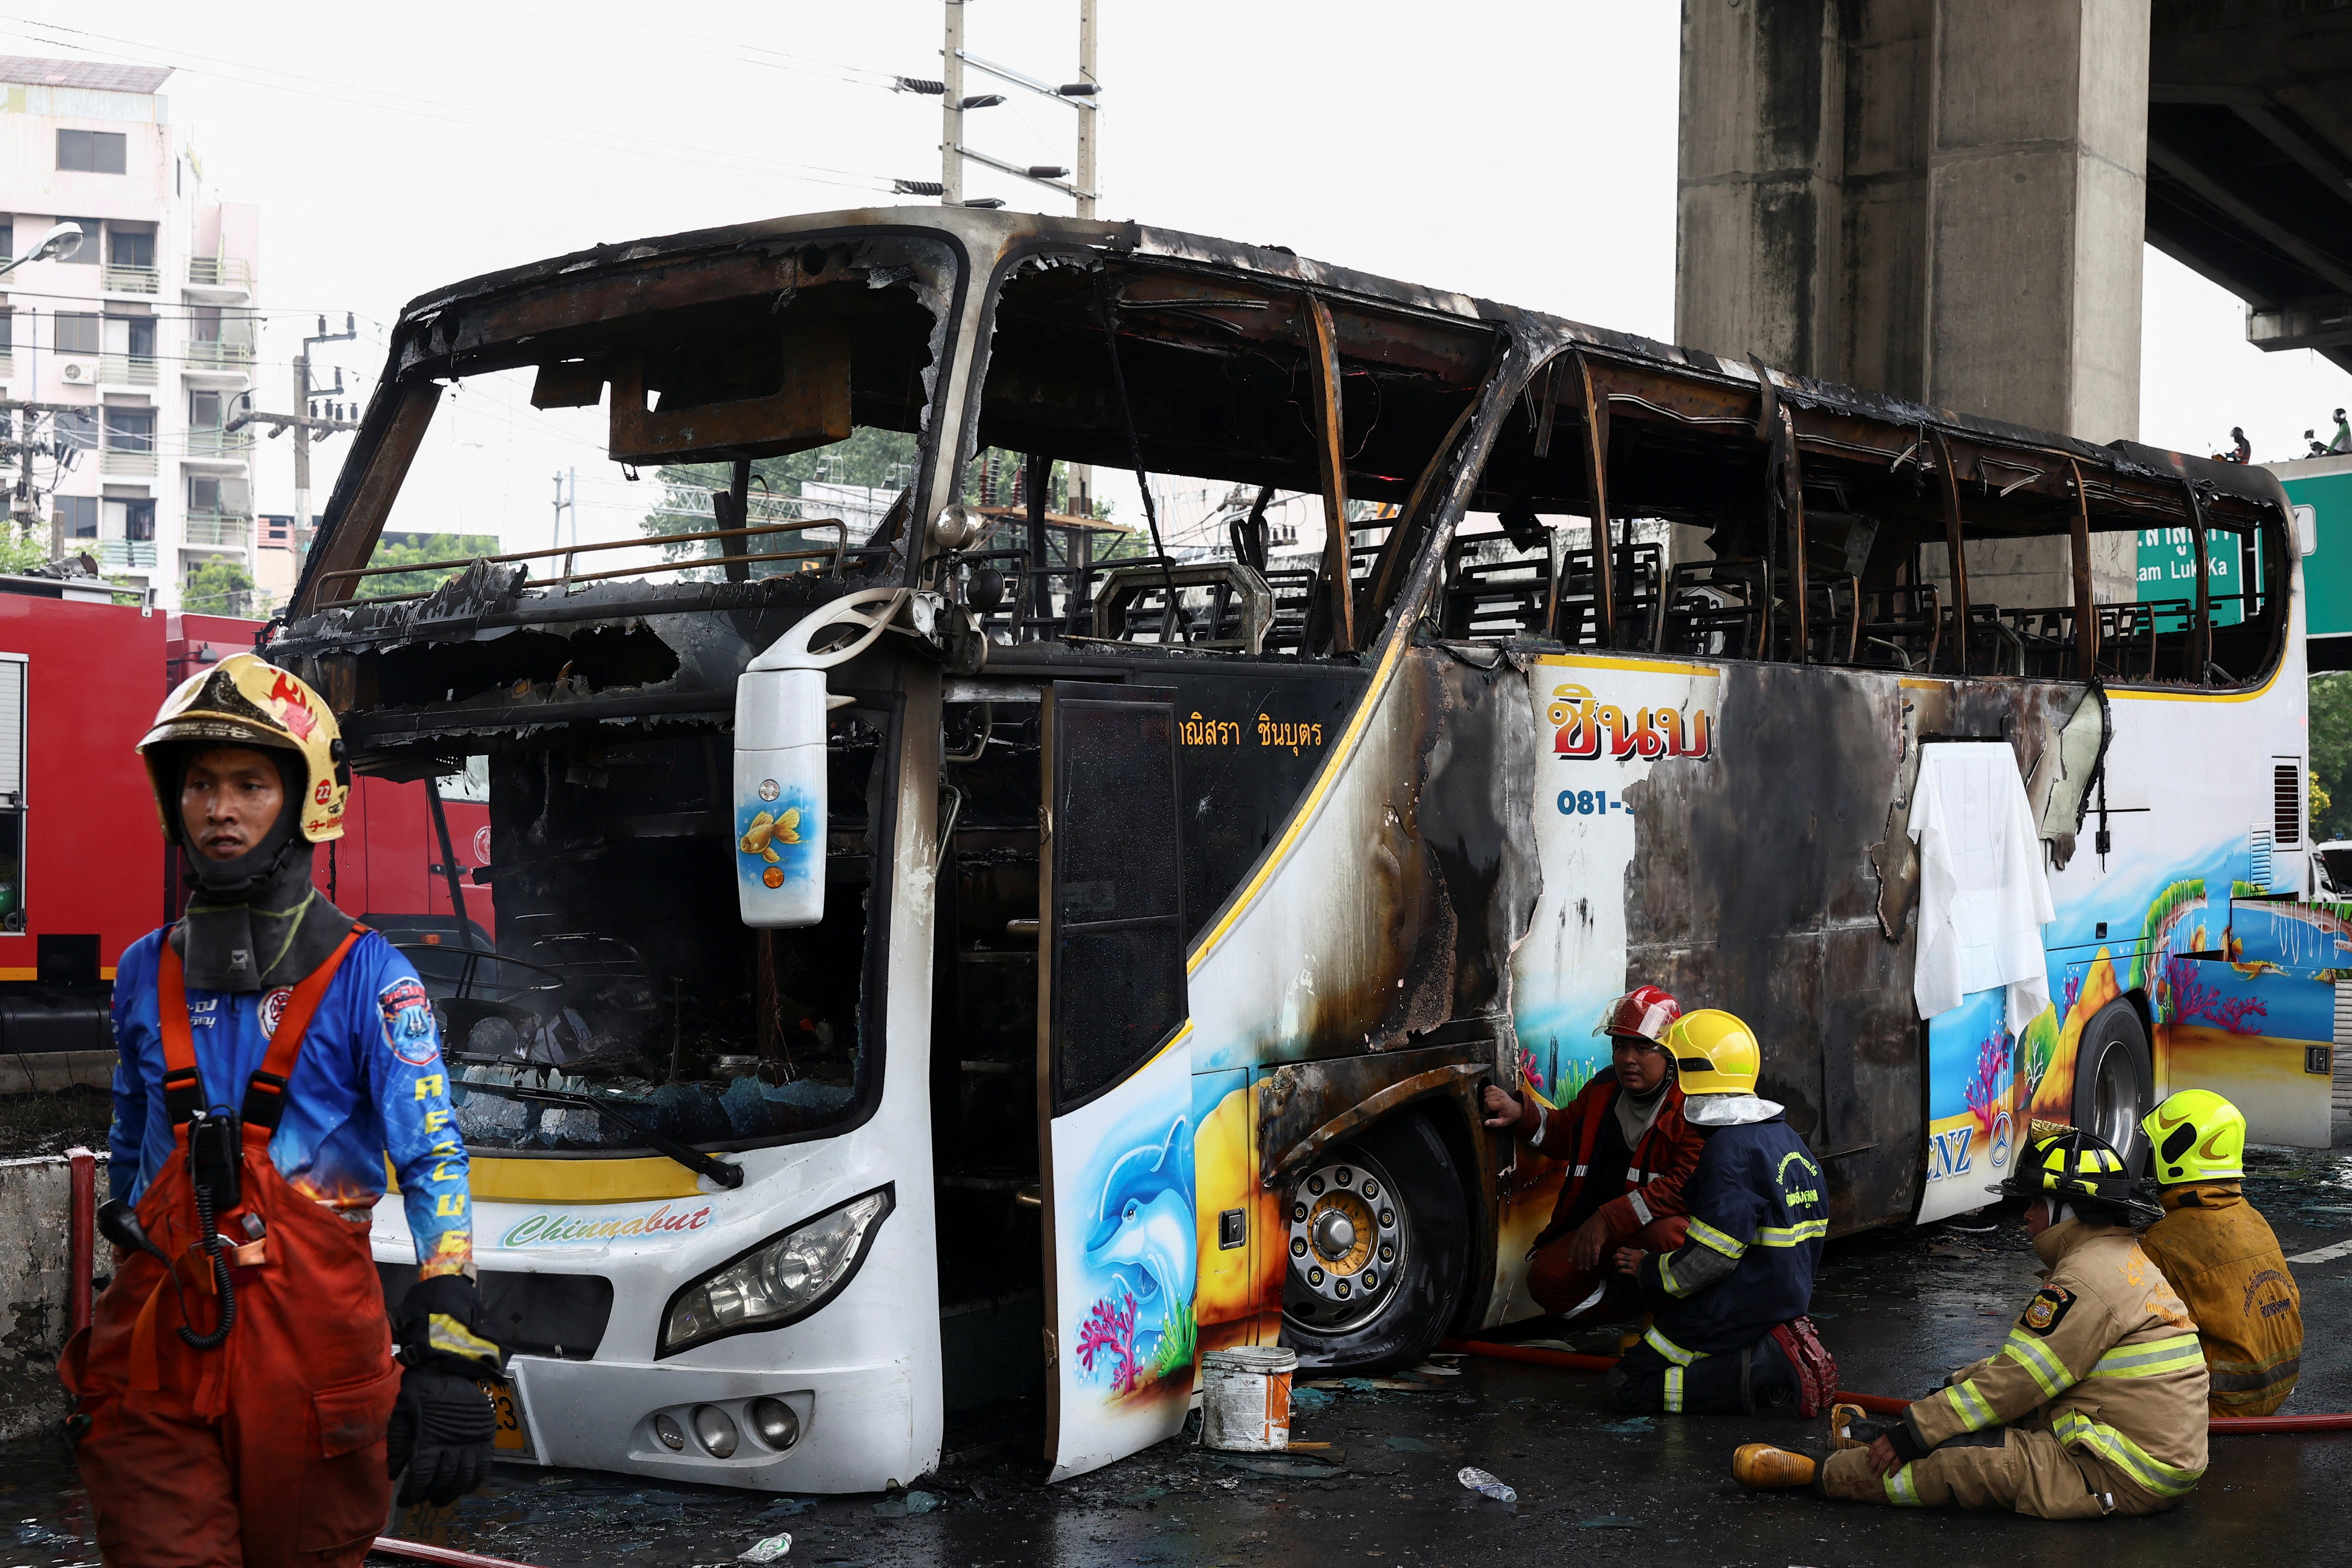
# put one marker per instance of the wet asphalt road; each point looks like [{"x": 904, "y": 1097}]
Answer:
[{"x": 1899, "y": 1307}]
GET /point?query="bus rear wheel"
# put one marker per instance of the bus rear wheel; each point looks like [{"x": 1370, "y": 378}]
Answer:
[
  {"x": 1378, "y": 1234},
  {"x": 2114, "y": 1082}
]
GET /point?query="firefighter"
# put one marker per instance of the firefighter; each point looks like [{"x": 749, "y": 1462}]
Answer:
[
  {"x": 234, "y": 1391},
  {"x": 2220, "y": 1254},
  {"x": 2095, "y": 1404},
  {"x": 1627, "y": 1151},
  {"x": 1730, "y": 1332}
]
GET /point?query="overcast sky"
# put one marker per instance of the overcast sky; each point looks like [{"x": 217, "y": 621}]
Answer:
[{"x": 1523, "y": 152}]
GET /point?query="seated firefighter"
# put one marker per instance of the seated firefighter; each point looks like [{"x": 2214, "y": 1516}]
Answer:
[
  {"x": 1730, "y": 1332},
  {"x": 1628, "y": 1152},
  {"x": 2095, "y": 1404},
  {"x": 2220, "y": 1254}
]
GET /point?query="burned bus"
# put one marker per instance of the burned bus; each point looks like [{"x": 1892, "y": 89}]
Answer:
[{"x": 948, "y": 975}]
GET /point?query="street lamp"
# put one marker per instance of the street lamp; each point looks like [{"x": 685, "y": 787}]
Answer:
[{"x": 57, "y": 244}]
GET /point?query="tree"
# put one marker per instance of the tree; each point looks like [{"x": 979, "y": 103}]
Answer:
[
  {"x": 2331, "y": 755},
  {"x": 414, "y": 550},
  {"x": 217, "y": 588}
]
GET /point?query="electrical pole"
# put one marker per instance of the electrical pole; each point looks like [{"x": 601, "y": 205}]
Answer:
[
  {"x": 1086, "y": 108},
  {"x": 567, "y": 497},
  {"x": 303, "y": 394},
  {"x": 954, "y": 105},
  {"x": 952, "y": 111}
]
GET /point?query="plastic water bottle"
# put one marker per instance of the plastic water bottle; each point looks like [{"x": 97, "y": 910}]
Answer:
[{"x": 1479, "y": 1481}]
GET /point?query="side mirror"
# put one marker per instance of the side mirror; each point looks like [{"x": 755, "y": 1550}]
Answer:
[{"x": 780, "y": 805}]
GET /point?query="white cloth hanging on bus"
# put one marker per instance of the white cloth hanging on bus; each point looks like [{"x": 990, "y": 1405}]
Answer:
[{"x": 1984, "y": 896}]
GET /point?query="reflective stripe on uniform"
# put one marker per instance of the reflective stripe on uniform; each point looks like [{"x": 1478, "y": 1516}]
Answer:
[
  {"x": 2037, "y": 1358},
  {"x": 1714, "y": 1240},
  {"x": 2149, "y": 1358},
  {"x": 1673, "y": 1391},
  {"x": 1641, "y": 1209},
  {"x": 1792, "y": 1235},
  {"x": 1970, "y": 1407},
  {"x": 2153, "y": 1475},
  {"x": 1668, "y": 1349},
  {"x": 446, "y": 1334},
  {"x": 1674, "y": 1286},
  {"x": 2247, "y": 1377},
  {"x": 1900, "y": 1491}
]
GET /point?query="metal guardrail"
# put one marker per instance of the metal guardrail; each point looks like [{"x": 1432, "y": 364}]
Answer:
[
  {"x": 126, "y": 554},
  {"x": 213, "y": 355},
  {"x": 127, "y": 370},
  {"x": 220, "y": 272},
  {"x": 831, "y": 553},
  {"x": 116, "y": 279},
  {"x": 218, "y": 531},
  {"x": 202, "y": 443}
]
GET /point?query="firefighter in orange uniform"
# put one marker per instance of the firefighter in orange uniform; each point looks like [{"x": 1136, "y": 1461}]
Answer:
[
  {"x": 1627, "y": 1152},
  {"x": 237, "y": 1399}
]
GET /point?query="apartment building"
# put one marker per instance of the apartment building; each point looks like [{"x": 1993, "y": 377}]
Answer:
[{"x": 145, "y": 335}]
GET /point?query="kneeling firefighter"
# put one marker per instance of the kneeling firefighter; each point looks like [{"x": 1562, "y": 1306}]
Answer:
[
  {"x": 1730, "y": 1331},
  {"x": 2094, "y": 1407},
  {"x": 236, "y": 1395}
]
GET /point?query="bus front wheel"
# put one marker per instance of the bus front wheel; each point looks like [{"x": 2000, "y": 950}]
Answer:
[
  {"x": 2114, "y": 1083},
  {"x": 1377, "y": 1236}
]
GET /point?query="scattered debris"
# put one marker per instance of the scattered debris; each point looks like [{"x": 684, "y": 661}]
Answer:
[
  {"x": 1479, "y": 1481},
  {"x": 766, "y": 1551},
  {"x": 1608, "y": 1522},
  {"x": 899, "y": 1508},
  {"x": 1410, "y": 1446},
  {"x": 1630, "y": 1425}
]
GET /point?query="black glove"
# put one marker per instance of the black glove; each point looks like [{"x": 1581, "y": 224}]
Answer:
[{"x": 442, "y": 1427}]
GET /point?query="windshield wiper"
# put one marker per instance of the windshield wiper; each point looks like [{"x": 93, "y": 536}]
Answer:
[{"x": 693, "y": 1159}]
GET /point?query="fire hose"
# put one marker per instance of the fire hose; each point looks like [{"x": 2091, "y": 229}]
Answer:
[
  {"x": 1880, "y": 1403},
  {"x": 417, "y": 1551}
]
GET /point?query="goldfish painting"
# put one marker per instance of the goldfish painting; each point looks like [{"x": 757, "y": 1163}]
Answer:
[{"x": 767, "y": 831}]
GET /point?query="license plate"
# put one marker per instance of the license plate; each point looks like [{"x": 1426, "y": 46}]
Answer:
[{"x": 513, "y": 1436}]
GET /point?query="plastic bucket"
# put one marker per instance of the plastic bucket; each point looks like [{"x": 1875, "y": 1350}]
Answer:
[{"x": 1246, "y": 1399}]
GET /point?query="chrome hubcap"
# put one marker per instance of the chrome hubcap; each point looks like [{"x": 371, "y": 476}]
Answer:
[{"x": 1348, "y": 1239}]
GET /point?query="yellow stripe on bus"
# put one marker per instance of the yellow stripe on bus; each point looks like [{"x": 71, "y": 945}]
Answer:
[
  {"x": 624, "y": 1181},
  {"x": 1307, "y": 807},
  {"x": 1644, "y": 666}
]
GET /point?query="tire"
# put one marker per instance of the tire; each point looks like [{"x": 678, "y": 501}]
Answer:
[
  {"x": 2113, "y": 1084},
  {"x": 1349, "y": 1306}
]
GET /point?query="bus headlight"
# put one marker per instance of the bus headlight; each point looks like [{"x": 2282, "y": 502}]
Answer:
[{"x": 783, "y": 1280}]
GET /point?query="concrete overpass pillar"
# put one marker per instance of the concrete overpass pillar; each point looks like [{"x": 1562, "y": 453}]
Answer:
[{"x": 1942, "y": 199}]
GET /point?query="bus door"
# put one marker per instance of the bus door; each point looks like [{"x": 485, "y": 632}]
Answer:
[{"x": 1115, "y": 1100}]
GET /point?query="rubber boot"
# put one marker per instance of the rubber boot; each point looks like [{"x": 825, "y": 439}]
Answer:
[
  {"x": 1764, "y": 1467},
  {"x": 1843, "y": 1416}
]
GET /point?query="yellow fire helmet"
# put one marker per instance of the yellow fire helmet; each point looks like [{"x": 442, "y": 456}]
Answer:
[
  {"x": 2072, "y": 1165},
  {"x": 244, "y": 700},
  {"x": 1714, "y": 1053},
  {"x": 2198, "y": 1136}
]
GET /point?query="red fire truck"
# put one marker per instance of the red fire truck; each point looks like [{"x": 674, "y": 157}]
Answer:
[{"x": 84, "y": 871}]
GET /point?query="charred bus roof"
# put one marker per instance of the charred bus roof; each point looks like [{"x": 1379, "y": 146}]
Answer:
[{"x": 904, "y": 304}]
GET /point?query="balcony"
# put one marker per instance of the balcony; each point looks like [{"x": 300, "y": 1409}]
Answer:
[
  {"x": 129, "y": 465},
  {"x": 116, "y": 279},
  {"x": 228, "y": 443},
  {"x": 123, "y": 554},
  {"x": 218, "y": 530},
  {"x": 219, "y": 272},
  {"x": 127, "y": 370},
  {"x": 213, "y": 357}
]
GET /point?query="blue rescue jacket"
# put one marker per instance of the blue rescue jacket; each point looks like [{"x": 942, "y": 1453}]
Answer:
[
  {"x": 1757, "y": 1229},
  {"x": 370, "y": 1082}
]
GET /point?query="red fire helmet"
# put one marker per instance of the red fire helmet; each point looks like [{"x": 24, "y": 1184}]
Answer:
[{"x": 1644, "y": 1012}]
